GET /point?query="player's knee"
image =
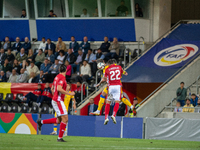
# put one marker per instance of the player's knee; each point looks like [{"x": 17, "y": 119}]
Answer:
[
  {"x": 104, "y": 94},
  {"x": 117, "y": 101},
  {"x": 65, "y": 118},
  {"x": 108, "y": 102}
]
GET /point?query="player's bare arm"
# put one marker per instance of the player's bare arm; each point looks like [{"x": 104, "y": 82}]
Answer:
[
  {"x": 52, "y": 89},
  {"x": 74, "y": 105},
  {"x": 60, "y": 89}
]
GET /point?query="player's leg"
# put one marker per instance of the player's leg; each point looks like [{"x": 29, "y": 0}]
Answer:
[
  {"x": 54, "y": 127},
  {"x": 107, "y": 110},
  {"x": 126, "y": 101}
]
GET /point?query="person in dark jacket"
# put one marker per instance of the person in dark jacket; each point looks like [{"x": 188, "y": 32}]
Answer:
[
  {"x": 121, "y": 110},
  {"x": 2, "y": 56},
  {"x": 92, "y": 107},
  {"x": 70, "y": 57},
  {"x": 41, "y": 78},
  {"x": 6, "y": 45},
  {"x": 194, "y": 100},
  {"x": 105, "y": 46},
  {"x": 16, "y": 66},
  {"x": 10, "y": 56},
  {"x": 74, "y": 46},
  {"x": 3, "y": 77},
  {"x": 50, "y": 45},
  {"x": 16, "y": 46},
  {"x": 181, "y": 94},
  {"x": 85, "y": 45},
  {"x": 26, "y": 45}
]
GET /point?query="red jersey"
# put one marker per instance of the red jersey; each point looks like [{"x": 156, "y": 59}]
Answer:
[
  {"x": 113, "y": 74},
  {"x": 37, "y": 92},
  {"x": 59, "y": 80},
  {"x": 47, "y": 92}
]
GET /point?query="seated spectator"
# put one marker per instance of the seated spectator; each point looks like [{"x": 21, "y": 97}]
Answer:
[
  {"x": 74, "y": 46},
  {"x": 181, "y": 93},
  {"x": 7, "y": 68},
  {"x": 92, "y": 107},
  {"x": 26, "y": 65},
  {"x": 3, "y": 77},
  {"x": 23, "y": 13},
  {"x": 138, "y": 11},
  {"x": 122, "y": 10},
  {"x": 96, "y": 14},
  {"x": 50, "y": 56},
  {"x": 13, "y": 77},
  {"x": 136, "y": 106},
  {"x": 23, "y": 77},
  {"x": 45, "y": 66},
  {"x": 26, "y": 45},
  {"x": 69, "y": 70},
  {"x": 99, "y": 55},
  {"x": 60, "y": 45},
  {"x": 193, "y": 99},
  {"x": 197, "y": 107},
  {"x": 78, "y": 93},
  {"x": 16, "y": 46},
  {"x": 54, "y": 69},
  {"x": 31, "y": 56},
  {"x": 51, "y": 14},
  {"x": 43, "y": 44},
  {"x": 90, "y": 57},
  {"x": 85, "y": 73},
  {"x": 105, "y": 46},
  {"x": 33, "y": 68},
  {"x": 78, "y": 62},
  {"x": 46, "y": 95},
  {"x": 114, "y": 50},
  {"x": 2, "y": 56},
  {"x": 32, "y": 96},
  {"x": 70, "y": 57},
  {"x": 16, "y": 66},
  {"x": 32, "y": 78},
  {"x": 85, "y": 45},
  {"x": 41, "y": 78},
  {"x": 178, "y": 107},
  {"x": 50, "y": 45},
  {"x": 61, "y": 56},
  {"x": 10, "y": 56},
  {"x": 6, "y": 44},
  {"x": 121, "y": 110},
  {"x": 21, "y": 56},
  {"x": 39, "y": 59},
  {"x": 85, "y": 14},
  {"x": 188, "y": 105}
]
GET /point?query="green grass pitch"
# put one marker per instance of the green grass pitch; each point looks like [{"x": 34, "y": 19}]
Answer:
[{"x": 48, "y": 142}]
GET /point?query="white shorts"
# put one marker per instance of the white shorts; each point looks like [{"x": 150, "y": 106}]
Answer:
[
  {"x": 59, "y": 107},
  {"x": 114, "y": 93}
]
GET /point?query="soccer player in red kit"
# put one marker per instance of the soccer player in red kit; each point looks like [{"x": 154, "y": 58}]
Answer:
[
  {"x": 59, "y": 91},
  {"x": 113, "y": 76}
]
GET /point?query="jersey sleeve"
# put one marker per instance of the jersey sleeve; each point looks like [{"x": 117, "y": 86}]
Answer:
[{"x": 61, "y": 82}]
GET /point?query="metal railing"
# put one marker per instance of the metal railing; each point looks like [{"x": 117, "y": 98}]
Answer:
[
  {"x": 97, "y": 75},
  {"x": 86, "y": 86},
  {"x": 139, "y": 44}
]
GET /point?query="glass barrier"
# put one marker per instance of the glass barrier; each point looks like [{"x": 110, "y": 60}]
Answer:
[
  {"x": 1, "y": 8},
  {"x": 142, "y": 8}
]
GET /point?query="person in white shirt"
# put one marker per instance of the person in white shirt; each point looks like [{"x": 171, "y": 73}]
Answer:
[
  {"x": 61, "y": 56},
  {"x": 43, "y": 44},
  {"x": 13, "y": 77},
  {"x": 85, "y": 72},
  {"x": 85, "y": 14},
  {"x": 23, "y": 77},
  {"x": 33, "y": 68}
]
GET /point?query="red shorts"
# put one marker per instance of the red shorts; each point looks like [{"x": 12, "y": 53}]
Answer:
[{"x": 59, "y": 107}]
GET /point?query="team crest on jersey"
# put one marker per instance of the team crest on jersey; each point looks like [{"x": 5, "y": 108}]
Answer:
[
  {"x": 61, "y": 82},
  {"x": 175, "y": 54}
]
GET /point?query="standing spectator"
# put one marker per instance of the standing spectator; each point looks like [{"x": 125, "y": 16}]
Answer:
[
  {"x": 85, "y": 14},
  {"x": 178, "y": 107},
  {"x": 43, "y": 44},
  {"x": 39, "y": 59},
  {"x": 32, "y": 78},
  {"x": 3, "y": 77},
  {"x": 7, "y": 68},
  {"x": 23, "y": 13},
  {"x": 26, "y": 45},
  {"x": 114, "y": 50},
  {"x": 85, "y": 45},
  {"x": 122, "y": 10},
  {"x": 92, "y": 107},
  {"x": 138, "y": 11},
  {"x": 50, "y": 56},
  {"x": 90, "y": 57},
  {"x": 74, "y": 46},
  {"x": 70, "y": 57},
  {"x": 60, "y": 45},
  {"x": 188, "y": 105},
  {"x": 16, "y": 66},
  {"x": 41, "y": 78},
  {"x": 33, "y": 68},
  {"x": 51, "y": 14},
  {"x": 105, "y": 46},
  {"x": 197, "y": 108},
  {"x": 10, "y": 56},
  {"x": 45, "y": 66},
  {"x": 69, "y": 69},
  {"x": 181, "y": 94},
  {"x": 50, "y": 45},
  {"x": 85, "y": 73},
  {"x": 23, "y": 77},
  {"x": 54, "y": 70},
  {"x": 79, "y": 61},
  {"x": 2, "y": 56},
  {"x": 21, "y": 56},
  {"x": 13, "y": 77},
  {"x": 6, "y": 44},
  {"x": 193, "y": 99},
  {"x": 31, "y": 56},
  {"x": 16, "y": 46},
  {"x": 61, "y": 56}
]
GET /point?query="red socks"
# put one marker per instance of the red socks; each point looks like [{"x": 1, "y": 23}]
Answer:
[
  {"x": 50, "y": 121},
  {"x": 107, "y": 110},
  {"x": 62, "y": 130},
  {"x": 115, "y": 109}
]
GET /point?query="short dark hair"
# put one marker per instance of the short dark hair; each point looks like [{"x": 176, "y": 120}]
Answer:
[
  {"x": 84, "y": 9},
  {"x": 182, "y": 83},
  {"x": 9, "y": 49},
  {"x": 62, "y": 68},
  {"x": 62, "y": 51},
  {"x": 49, "y": 39},
  {"x": 32, "y": 62},
  {"x": 40, "y": 84},
  {"x": 187, "y": 99},
  {"x": 193, "y": 94},
  {"x": 43, "y": 37},
  {"x": 41, "y": 50},
  {"x": 72, "y": 36},
  {"x": 28, "y": 62},
  {"x": 60, "y": 37},
  {"x": 51, "y": 11},
  {"x": 99, "y": 48},
  {"x": 110, "y": 62},
  {"x": 80, "y": 50},
  {"x": 90, "y": 50},
  {"x": 85, "y": 61},
  {"x": 23, "y": 9}
]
